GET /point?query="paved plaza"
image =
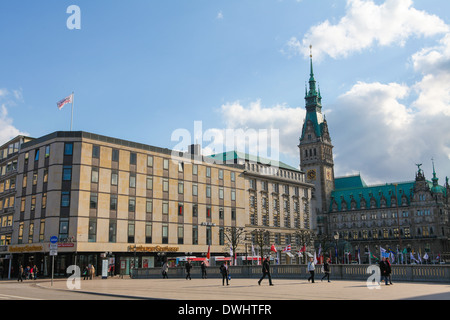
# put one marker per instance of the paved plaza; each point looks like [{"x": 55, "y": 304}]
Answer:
[{"x": 248, "y": 289}]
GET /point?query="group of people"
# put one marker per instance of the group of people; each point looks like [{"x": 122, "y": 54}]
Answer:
[
  {"x": 224, "y": 271},
  {"x": 385, "y": 269},
  {"x": 89, "y": 272},
  {"x": 27, "y": 273}
]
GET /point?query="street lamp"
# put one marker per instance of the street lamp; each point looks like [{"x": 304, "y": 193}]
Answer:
[{"x": 336, "y": 238}]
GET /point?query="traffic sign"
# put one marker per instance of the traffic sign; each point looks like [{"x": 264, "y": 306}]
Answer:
[
  {"x": 53, "y": 252},
  {"x": 54, "y": 239}
]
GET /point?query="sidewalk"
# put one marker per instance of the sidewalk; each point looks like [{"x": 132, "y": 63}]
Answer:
[{"x": 248, "y": 289}]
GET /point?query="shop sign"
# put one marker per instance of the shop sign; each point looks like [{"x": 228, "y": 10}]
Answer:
[
  {"x": 25, "y": 249},
  {"x": 152, "y": 249}
]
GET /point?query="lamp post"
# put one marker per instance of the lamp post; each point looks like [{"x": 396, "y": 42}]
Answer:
[{"x": 336, "y": 238}]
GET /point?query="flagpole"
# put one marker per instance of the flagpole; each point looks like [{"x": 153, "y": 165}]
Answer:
[{"x": 71, "y": 117}]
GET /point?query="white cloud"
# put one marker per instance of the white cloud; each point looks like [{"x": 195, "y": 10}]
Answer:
[
  {"x": 7, "y": 129},
  {"x": 366, "y": 24},
  {"x": 219, "y": 16}
]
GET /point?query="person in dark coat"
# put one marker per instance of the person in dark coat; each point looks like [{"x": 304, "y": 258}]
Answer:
[
  {"x": 203, "y": 270},
  {"x": 224, "y": 272},
  {"x": 326, "y": 269},
  {"x": 188, "y": 270},
  {"x": 389, "y": 270},
  {"x": 384, "y": 268},
  {"x": 266, "y": 271}
]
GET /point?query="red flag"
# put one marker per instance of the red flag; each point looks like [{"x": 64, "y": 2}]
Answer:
[
  {"x": 208, "y": 255},
  {"x": 303, "y": 249},
  {"x": 273, "y": 248}
]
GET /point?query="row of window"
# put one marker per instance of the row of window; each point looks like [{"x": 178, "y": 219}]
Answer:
[
  {"x": 8, "y": 168},
  {"x": 382, "y": 215},
  {"x": 274, "y": 171},
  {"x": 425, "y": 231},
  {"x": 9, "y": 150}
]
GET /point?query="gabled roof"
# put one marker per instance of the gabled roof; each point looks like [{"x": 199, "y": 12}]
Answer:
[{"x": 354, "y": 181}]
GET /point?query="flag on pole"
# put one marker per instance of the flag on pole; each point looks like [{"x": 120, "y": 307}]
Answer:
[
  {"x": 383, "y": 253},
  {"x": 425, "y": 256},
  {"x": 253, "y": 250},
  {"x": 60, "y": 104},
  {"x": 315, "y": 257},
  {"x": 208, "y": 255},
  {"x": 287, "y": 248},
  {"x": 303, "y": 249}
]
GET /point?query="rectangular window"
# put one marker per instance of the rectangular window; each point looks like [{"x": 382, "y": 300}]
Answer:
[
  {"x": 47, "y": 151},
  {"x": 220, "y": 193},
  {"x": 208, "y": 212},
  {"x": 113, "y": 202},
  {"x": 180, "y": 187},
  {"x": 233, "y": 214},
  {"x": 67, "y": 173},
  {"x": 166, "y": 185},
  {"x": 22, "y": 205},
  {"x": 165, "y": 233},
  {"x": 233, "y": 176},
  {"x": 115, "y": 155},
  {"x": 165, "y": 207},
  {"x": 180, "y": 209},
  {"x": 194, "y": 189},
  {"x": 166, "y": 164},
  {"x": 194, "y": 169},
  {"x": 233, "y": 195},
  {"x": 68, "y": 149},
  {"x": 180, "y": 235},
  {"x": 132, "y": 180},
  {"x": 94, "y": 175},
  {"x": 131, "y": 204},
  {"x": 180, "y": 167},
  {"x": 96, "y": 152},
  {"x": 208, "y": 172},
  {"x": 33, "y": 203},
  {"x": 42, "y": 230},
  {"x": 133, "y": 158},
  {"x": 35, "y": 178},
  {"x": 92, "y": 237},
  {"x": 194, "y": 235},
  {"x": 114, "y": 178},
  {"x": 194, "y": 210},
  {"x": 65, "y": 199},
  {"x": 220, "y": 174},
  {"x": 208, "y": 191},
  {"x": 208, "y": 235},
  {"x": 112, "y": 230},
  {"x": 44, "y": 200},
  {"x": 63, "y": 228},
  {"x": 93, "y": 201},
  {"x": 130, "y": 231},
  {"x": 20, "y": 238},
  {"x": 30, "y": 233},
  {"x": 36, "y": 155},
  {"x": 45, "y": 175},
  {"x": 148, "y": 232}
]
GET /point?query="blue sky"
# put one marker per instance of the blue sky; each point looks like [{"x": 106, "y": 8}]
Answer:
[{"x": 142, "y": 69}]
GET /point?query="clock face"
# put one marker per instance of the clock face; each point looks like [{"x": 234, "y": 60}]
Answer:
[{"x": 311, "y": 174}]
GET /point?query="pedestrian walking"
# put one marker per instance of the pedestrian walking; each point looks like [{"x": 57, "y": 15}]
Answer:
[
  {"x": 203, "y": 266},
  {"x": 389, "y": 270},
  {"x": 311, "y": 268},
  {"x": 188, "y": 268},
  {"x": 326, "y": 269},
  {"x": 224, "y": 272},
  {"x": 35, "y": 272},
  {"x": 92, "y": 272},
  {"x": 384, "y": 266},
  {"x": 20, "y": 274},
  {"x": 86, "y": 273},
  {"x": 164, "y": 269},
  {"x": 266, "y": 271}
]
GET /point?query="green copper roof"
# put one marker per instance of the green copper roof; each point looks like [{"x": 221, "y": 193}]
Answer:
[
  {"x": 231, "y": 156},
  {"x": 349, "y": 182}
]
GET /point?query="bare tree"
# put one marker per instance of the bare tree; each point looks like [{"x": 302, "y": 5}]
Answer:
[
  {"x": 261, "y": 239},
  {"x": 234, "y": 237}
]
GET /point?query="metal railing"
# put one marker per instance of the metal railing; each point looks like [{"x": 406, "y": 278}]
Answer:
[{"x": 404, "y": 273}]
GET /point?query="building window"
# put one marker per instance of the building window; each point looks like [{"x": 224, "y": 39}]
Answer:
[
  {"x": 208, "y": 172},
  {"x": 68, "y": 149},
  {"x": 220, "y": 193},
  {"x": 165, "y": 185},
  {"x": 166, "y": 164},
  {"x": 180, "y": 209},
  {"x": 92, "y": 237},
  {"x": 130, "y": 231},
  {"x": 180, "y": 187},
  {"x": 94, "y": 175},
  {"x": 67, "y": 173},
  {"x": 233, "y": 214},
  {"x": 149, "y": 206},
  {"x": 165, "y": 233},
  {"x": 221, "y": 236},
  {"x": 96, "y": 152},
  {"x": 115, "y": 155},
  {"x": 208, "y": 191},
  {"x": 133, "y": 157},
  {"x": 35, "y": 178},
  {"x": 63, "y": 228},
  {"x": 42, "y": 230},
  {"x": 65, "y": 199},
  {"x": 165, "y": 207},
  {"x": 93, "y": 201},
  {"x": 132, "y": 181},
  {"x": 208, "y": 235},
  {"x": 233, "y": 195},
  {"x": 208, "y": 212},
  {"x": 194, "y": 235},
  {"x": 33, "y": 203},
  {"x": 36, "y": 155},
  {"x": 148, "y": 232},
  {"x": 112, "y": 230},
  {"x": 194, "y": 189},
  {"x": 44, "y": 200},
  {"x": 220, "y": 174},
  {"x": 30, "y": 232},
  {"x": 233, "y": 176},
  {"x": 114, "y": 178},
  {"x": 113, "y": 202},
  {"x": 180, "y": 234},
  {"x": 194, "y": 169},
  {"x": 194, "y": 210},
  {"x": 45, "y": 175},
  {"x": 131, "y": 205},
  {"x": 20, "y": 238},
  {"x": 149, "y": 183}
]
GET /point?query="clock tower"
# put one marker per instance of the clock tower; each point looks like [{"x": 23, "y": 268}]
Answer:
[{"x": 316, "y": 154}]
